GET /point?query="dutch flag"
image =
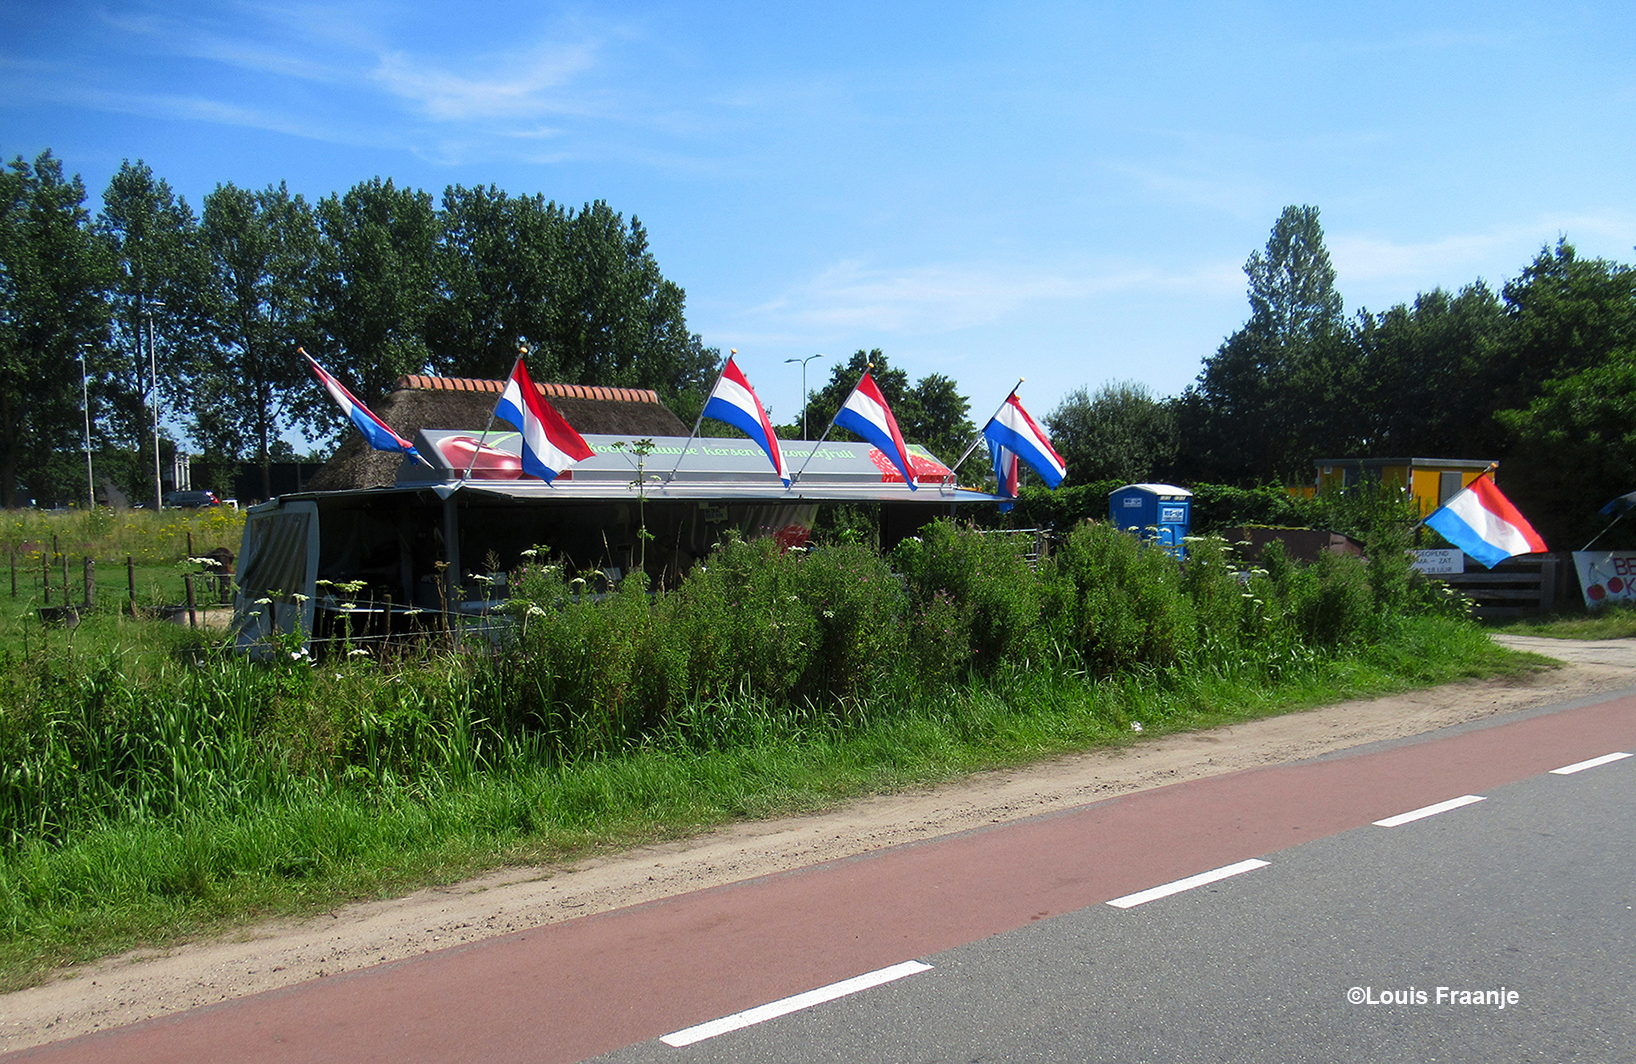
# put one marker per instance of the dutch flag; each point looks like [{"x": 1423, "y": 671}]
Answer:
[
  {"x": 735, "y": 402},
  {"x": 379, "y": 434},
  {"x": 865, "y": 412},
  {"x": 550, "y": 444},
  {"x": 1006, "y": 473},
  {"x": 1481, "y": 521},
  {"x": 1011, "y": 429}
]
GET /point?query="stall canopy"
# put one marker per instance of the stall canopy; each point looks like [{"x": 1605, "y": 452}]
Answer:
[{"x": 445, "y": 529}]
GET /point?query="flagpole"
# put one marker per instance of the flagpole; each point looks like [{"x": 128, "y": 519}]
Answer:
[
  {"x": 1491, "y": 467},
  {"x": 407, "y": 449},
  {"x": 831, "y": 427},
  {"x": 522, "y": 349},
  {"x": 1604, "y": 531},
  {"x": 700, "y": 419},
  {"x": 991, "y": 417}
]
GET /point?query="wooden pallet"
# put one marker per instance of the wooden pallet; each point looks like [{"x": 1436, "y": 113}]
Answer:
[{"x": 1525, "y": 586}]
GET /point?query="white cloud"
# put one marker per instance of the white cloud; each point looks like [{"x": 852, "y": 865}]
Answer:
[
  {"x": 938, "y": 298},
  {"x": 523, "y": 86},
  {"x": 1460, "y": 258}
]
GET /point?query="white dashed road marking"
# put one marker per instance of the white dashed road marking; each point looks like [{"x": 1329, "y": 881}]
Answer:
[
  {"x": 1167, "y": 889},
  {"x": 1428, "y": 810},
  {"x": 1580, "y": 766},
  {"x": 785, "y": 1006}
]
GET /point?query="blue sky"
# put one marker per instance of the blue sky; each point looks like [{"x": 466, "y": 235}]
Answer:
[{"x": 1063, "y": 192}]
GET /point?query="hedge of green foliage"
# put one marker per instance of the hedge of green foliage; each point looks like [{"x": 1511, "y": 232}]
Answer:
[
  {"x": 807, "y": 639},
  {"x": 818, "y": 632}
]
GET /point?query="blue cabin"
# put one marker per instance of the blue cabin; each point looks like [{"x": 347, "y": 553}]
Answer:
[{"x": 1161, "y": 512}]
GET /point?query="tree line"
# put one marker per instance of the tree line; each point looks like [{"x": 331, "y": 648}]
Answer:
[
  {"x": 1539, "y": 375},
  {"x": 205, "y": 310},
  {"x": 202, "y": 311},
  {"x": 208, "y": 308}
]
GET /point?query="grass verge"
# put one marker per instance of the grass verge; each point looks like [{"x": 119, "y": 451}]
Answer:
[
  {"x": 324, "y": 840},
  {"x": 1610, "y": 622}
]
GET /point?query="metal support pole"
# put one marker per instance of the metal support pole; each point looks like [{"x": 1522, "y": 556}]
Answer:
[
  {"x": 451, "y": 554},
  {"x": 804, "y": 396},
  {"x": 153, "y": 378},
  {"x": 85, "y": 404}
]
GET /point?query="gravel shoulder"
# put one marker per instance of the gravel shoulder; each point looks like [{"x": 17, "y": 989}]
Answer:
[{"x": 144, "y": 984}]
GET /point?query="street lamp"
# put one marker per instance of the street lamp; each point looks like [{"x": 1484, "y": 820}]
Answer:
[
  {"x": 85, "y": 404},
  {"x": 804, "y": 396},
  {"x": 153, "y": 377}
]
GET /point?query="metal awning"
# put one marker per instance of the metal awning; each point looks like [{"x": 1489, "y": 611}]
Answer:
[{"x": 712, "y": 469}]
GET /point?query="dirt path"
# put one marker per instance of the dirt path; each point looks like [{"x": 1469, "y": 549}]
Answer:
[{"x": 139, "y": 985}]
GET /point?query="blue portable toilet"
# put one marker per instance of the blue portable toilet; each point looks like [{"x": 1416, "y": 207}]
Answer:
[{"x": 1160, "y": 512}]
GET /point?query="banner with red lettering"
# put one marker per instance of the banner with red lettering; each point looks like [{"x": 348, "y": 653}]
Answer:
[{"x": 1606, "y": 575}]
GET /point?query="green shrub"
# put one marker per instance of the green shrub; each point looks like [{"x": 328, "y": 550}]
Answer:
[
  {"x": 745, "y": 622},
  {"x": 986, "y": 579},
  {"x": 860, "y": 608},
  {"x": 1118, "y": 601},
  {"x": 593, "y": 674},
  {"x": 940, "y": 639},
  {"x": 1331, "y": 601}
]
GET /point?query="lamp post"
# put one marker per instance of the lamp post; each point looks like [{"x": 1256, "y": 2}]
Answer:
[
  {"x": 153, "y": 378},
  {"x": 804, "y": 396},
  {"x": 85, "y": 404}
]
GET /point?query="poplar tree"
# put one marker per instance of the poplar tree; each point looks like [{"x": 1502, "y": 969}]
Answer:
[
  {"x": 251, "y": 385},
  {"x": 53, "y": 275},
  {"x": 1282, "y": 388},
  {"x": 159, "y": 279}
]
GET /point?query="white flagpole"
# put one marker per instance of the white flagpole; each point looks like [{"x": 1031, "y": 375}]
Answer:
[
  {"x": 700, "y": 419},
  {"x": 1485, "y": 473},
  {"x": 522, "y": 349},
  {"x": 793, "y": 480},
  {"x": 991, "y": 417}
]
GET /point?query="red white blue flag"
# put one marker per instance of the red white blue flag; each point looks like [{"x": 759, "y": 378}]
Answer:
[
  {"x": 1011, "y": 429},
  {"x": 735, "y": 402},
  {"x": 1007, "y": 475},
  {"x": 1483, "y": 522},
  {"x": 865, "y": 412},
  {"x": 550, "y": 444},
  {"x": 379, "y": 434}
]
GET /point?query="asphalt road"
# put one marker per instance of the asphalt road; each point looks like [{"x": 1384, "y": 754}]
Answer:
[
  {"x": 1501, "y": 930},
  {"x": 1527, "y": 890}
]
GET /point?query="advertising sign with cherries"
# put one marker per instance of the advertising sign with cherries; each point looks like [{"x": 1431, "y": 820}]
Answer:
[{"x": 1606, "y": 575}]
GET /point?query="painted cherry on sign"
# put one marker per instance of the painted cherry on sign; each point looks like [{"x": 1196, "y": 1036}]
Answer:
[{"x": 491, "y": 464}]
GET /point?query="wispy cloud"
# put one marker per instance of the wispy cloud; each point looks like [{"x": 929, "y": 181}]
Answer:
[
  {"x": 49, "y": 88},
  {"x": 1459, "y": 258},
  {"x": 343, "y": 74},
  {"x": 528, "y": 85},
  {"x": 940, "y": 298}
]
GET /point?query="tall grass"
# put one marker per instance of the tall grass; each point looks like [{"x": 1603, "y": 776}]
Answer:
[
  {"x": 150, "y": 537},
  {"x": 142, "y": 791},
  {"x": 43, "y": 556}
]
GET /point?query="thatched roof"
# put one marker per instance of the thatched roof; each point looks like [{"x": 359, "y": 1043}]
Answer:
[{"x": 464, "y": 404}]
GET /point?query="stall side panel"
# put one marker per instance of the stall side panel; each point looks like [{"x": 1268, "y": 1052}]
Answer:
[{"x": 278, "y": 565}]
